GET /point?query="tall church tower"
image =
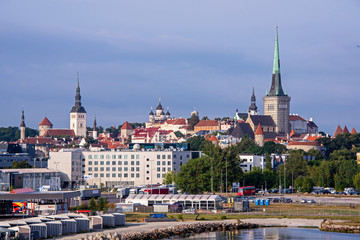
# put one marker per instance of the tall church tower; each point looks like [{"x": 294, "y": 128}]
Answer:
[
  {"x": 22, "y": 127},
  {"x": 276, "y": 102},
  {"x": 78, "y": 114},
  {"x": 253, "y": 110}
]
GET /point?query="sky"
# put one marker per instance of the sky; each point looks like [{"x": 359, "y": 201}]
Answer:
[{"x": 199, "y": 54}]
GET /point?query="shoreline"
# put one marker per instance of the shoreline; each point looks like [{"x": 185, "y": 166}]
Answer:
[{"x": 134, "y": 228}]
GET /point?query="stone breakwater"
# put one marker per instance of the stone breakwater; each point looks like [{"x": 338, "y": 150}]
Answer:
[
  {"x": 327, "y": 225},
  {"x": 180, "y": 230}
]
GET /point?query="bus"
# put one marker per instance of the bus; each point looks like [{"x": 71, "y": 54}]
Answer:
[{"x": 246, "y": 191}]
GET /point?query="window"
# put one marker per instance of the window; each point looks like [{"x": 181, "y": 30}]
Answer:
[
  {"x": 163, "y": 156},
  {"x": 96, "y": 175},
  {"x": 147, "y": 178},
  {"x": 187, "y": 155},
  {"x": 132, "y": 157},
  {"x": 90, "y": 169},
  {"x": 147, "y": 165},
  {"x": 132, "y": 163},
  {"x": 113, "y": 169},
  {"x": 137, "y": 163},
  {"x": 126, "y": 163},
  {"x": 101, "y": 175},
  {"x": 132, "y": 169},
  {"x": 158, "y": 156},
  {"x": 96, "y": 169},
  {"x": 113, "y": 156},
  {"x": 174, "y": 155},
  {"x": 90, "y": 157},
  {"x": 107, "y": 162},
  {"x": 137, "y": 175},
  {"x": 169, "y": 156},
  {"x": 119, "y": 156},
  {"x": 132, "y": 175},
  {"x": 169, "y": 162},
  {"x": 119, "y": 175},
  {"x": 138, "y": 156},
  {"x": 90, "y": 162},
  {"x": 119, "y": 162},
  {"x": 169, "y": 169},
  {"x": 163, "y": 163},
  {"x": 125, "y": 169},
  {"x": 158, "y": 163},
  {"x": 158, "y": 169},
  {"x": 147, "y": 159},
  {"x": 120, "y": 169},
  {"x": 163, "y": 175},
  {"x": 101, "y": 169},
  {"x": 113, "y": 175},
  {"x": 126, "y": 175},
  {"x": 180, "y": 157},
  {"x": 101, "y": 156},
  {"x": 96, "y": 163},
  {"x": 125, "y": 156},
  {"x": 95, "y": 156},
  {"x": 164, "y": 169},
  {"x": 158, "y": 175},
  {"x": 137, "y": 169},
  {"x": 147, "y": 172},
  {"x": 102, "y": 163},
  {"x": 113, "y": 162},
  {"x": 108, "y": 175},
  {"x": 107, "y": 156}
]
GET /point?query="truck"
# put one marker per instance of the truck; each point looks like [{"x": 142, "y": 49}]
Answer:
[
  {"x": 90, "y": 193},
  {"x": 122, "y": 192},
  {"x": 156, "y": 191}
]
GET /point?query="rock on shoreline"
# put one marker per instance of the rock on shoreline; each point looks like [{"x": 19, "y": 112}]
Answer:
[
  {"x": 327, "y": 225},
  {"x": 180, "y": 230}
]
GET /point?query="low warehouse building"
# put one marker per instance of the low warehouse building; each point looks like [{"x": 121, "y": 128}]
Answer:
[{"x": 202, "y": 201}]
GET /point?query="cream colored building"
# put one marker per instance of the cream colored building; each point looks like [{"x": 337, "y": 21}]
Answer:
[{"x": 78, "y": 115}]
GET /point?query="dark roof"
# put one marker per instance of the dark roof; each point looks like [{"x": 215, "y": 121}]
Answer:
[
  {"x": 159, "y": 107},
  {"x": 263, "y": 120},
  {"x": 311, "y": 124},
  {"x": 59, "y": 132},
  {"x": 241, "y": 130},
  {"x": 270, "y": 135}
]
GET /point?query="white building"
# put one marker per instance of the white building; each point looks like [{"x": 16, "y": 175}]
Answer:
[
  {"x": 249, "y": 161},
  {"x": 71, "y": 163},
  {"x": 29, "y": 178},
  {"x": 131, "y": 167},
  {"x": 78, "y": 115}
]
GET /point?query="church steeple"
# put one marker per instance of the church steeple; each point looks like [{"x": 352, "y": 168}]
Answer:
[
  {"x": 22, "y": 119},
  {"x": 77, "y": 107},
  {"x": 22, "y": 127},
  {"x": 276, "y": 88},
  {"x": 253, "y": 110}
]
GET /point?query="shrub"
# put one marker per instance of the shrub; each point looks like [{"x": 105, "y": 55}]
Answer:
[{"x": 223, "y": 217}]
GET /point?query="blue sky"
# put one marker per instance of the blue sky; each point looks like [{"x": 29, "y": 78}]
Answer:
[{"x": 199, "y": 54}]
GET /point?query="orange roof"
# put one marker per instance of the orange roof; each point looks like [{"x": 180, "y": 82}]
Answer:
[
  {"x": 213, "y": 139},
  {"x": 313, "y": 138},
  {"x": 353, "y": 131},
  {"x": 304, "y": 143},
  {"x": 39, "y": 140},
  {"x": 338, "y": 131},
  {"x": 345, "y": 130},
  {"x": 59, "y": 132},
  {"x": 259, "y": 130},
  {"x": 127, "y": 126},
  {"x": 22, "y": 190},
  {"x": 45, "y": 122},
  {"x": 296, "y": 117},
  {"x": 178, "y": 121},
  {"x": 207, "y": 123},
  {"x": 292, "y": 133}
]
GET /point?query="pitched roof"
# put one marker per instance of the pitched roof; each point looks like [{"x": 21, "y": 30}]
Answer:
[
  {"x": 207, "y": 123},
  {"x": 264, "y": 120},
  {"x": 345, "y": 130},
  {"x": 296, "y": 117},
  {"x": 241, "y": 130},
  {"x": 304, "y": 143},
  {"x": 177, "y": 121},
  {"x": 353, "y": 131},
  {"x": 338, "y": 131},
  {"x": 45, "y": 122},
  {"x": 292, "y": 133},
  {"x": 59, "y": 132},
  {"x": 213, "y": 139},
  {"x": 127, "y": 126},
  {"x": 311, "y": 124},
  {"x": 39, "y": 140},
  {"x": 259, "y": 130}
]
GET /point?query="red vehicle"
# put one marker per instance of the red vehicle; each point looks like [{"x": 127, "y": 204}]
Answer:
[
  {"x": 156, "y": 191},
  {"x": 246, "y": 191},
  {"x": 19, "y": 207}
]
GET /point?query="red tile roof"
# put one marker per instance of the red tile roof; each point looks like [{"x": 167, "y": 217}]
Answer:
[
  {"x": 259, "y": 130},
  {"x": 313, "y": 138},
  {"x": 345, "y": 130},
  {"x": 22, "y": 190},
  {"x": 296, "y": 117},
  {"x": 127, "y": 126},
  {"x": 59, "y": 132},
  {"x": 353, "y": 131},
  {"x": 338, "y": 131},
  {"x": 292, "y": 133},
  {"x": 178, "y": 121},
  {"x": 207, "y": 123},
  {"x": 39, "y": 140},
  {"x": 213, "y": 139},
  {"x": 45, "y": 122},
  {"x": 304, "y": 143}
]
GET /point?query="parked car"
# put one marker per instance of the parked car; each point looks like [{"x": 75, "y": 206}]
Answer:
[
  {"x": 287, "y": 200},
  {"x": 311, "y": 201},
  {"x": 334, "y": 192},
  {"x": 303, "y": 201},
  {"x": 189, "y": 211}
]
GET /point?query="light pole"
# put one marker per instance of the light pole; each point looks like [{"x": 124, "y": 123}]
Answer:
[
  {"x": 226, "y": 178},
  {"x": 284, "y": 177},
  {"x": 212, "y": 176},
  {"x": 56, "y": 175}
]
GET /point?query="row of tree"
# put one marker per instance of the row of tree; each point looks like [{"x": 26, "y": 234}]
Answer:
[{"x": 11, "y": 134}]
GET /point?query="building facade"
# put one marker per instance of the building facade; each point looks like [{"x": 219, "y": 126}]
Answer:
[
  {"x": 276, "y": 101},
  {"x": 249, "y": 161},
  {"x": 78, "y": 115}
]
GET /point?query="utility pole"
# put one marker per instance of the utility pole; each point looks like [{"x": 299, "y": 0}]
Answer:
[
  {"x": 226, "y": 184},
  {"x": 284, "y": 177},
  {"x": 212, "y": 176}
]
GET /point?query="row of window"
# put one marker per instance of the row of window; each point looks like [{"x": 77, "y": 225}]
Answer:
[
  {"x": 113, "y": 156},
  {"x": 125, "y": 175},
  {"x": 114, "y": 163},
  {"x": 126, "y": 169}
]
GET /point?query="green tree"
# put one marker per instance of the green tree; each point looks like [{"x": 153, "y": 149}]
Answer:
[
  {"x": 102, "y": 204},
  {"x": 307, "y": 184},
  {"x": 269, "y": 178},
  {"x": 193, "y": 120},
  {"x": 325, "y": 173},
  {"x": 169, "y": 178},
  {"x": 298, "y": 183},
  {"x": 255, "y": 178},
  {"x": 197, "y": 143},
  {"x": 92, "y": 204},
  {"x": 357, "y": 181},
  {"x": 295, "y": 166},
  {"x": 179, "y": 134},
  {"x": 21, "y": 164},
  {"x": 268, "y": 164},
  {"x": 346, "y": 172}
]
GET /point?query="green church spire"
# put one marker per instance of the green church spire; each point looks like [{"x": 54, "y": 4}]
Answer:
[{"x": 276, "y": 88}]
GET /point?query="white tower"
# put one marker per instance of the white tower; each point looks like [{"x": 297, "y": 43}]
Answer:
[
  {"x": 78, "y": 114},
  {"x": 22, "y": 127}
]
